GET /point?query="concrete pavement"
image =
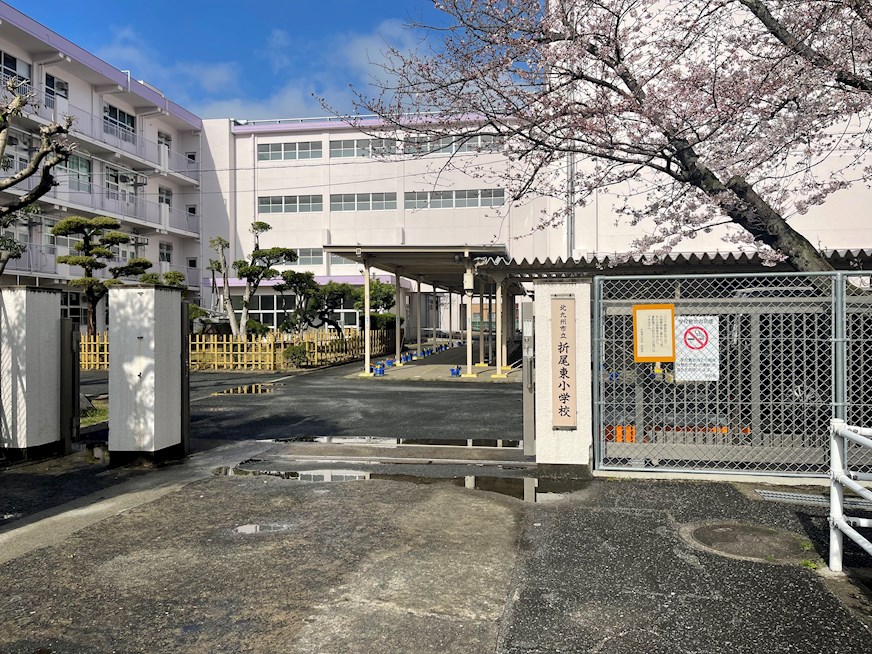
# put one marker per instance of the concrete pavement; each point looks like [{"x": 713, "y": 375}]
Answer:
[{"x": 407, "y": 554}]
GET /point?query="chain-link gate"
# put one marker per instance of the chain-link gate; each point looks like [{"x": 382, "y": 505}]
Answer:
[{"x": 761, "y": 367}]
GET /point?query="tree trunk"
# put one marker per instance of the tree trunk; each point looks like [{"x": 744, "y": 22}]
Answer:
[{"x": 4, "y": 259}]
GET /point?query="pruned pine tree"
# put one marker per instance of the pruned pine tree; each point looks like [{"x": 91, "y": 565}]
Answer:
[
  {"x": 94, "y": 239},
  {"x": 258, "y": 267}
]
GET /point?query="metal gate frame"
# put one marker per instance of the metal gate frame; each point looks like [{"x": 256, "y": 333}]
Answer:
[{"x": 849, "y": 309}]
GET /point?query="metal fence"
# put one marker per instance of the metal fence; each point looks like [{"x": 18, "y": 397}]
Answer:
[
  {"x": 768, "y": 356},
  {"x": 843, "y": 476}
]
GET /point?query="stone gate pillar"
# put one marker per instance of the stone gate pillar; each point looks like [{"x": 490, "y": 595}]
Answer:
[
  {"x": 145, "y": 373},
  {"x": 30, "y": 380}
]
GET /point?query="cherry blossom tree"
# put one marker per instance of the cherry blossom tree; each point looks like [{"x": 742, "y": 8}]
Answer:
[{"x": 694, "y": 113}]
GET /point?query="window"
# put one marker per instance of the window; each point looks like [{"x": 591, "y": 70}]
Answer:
[
  {"x": 362, "y": 148},
  {"x": 448, "y": 199},
  {"x": 119, "y": 123},
  {"x": 77, "y": 171},
  {"x": 13, "y": 67},
  {"x": 55, "y": 88},
  {"x": 289, "y": 204},
  {"x": 120, "y": 185},
  {"x": 191, "y": 157},
  {"x": 416, "y": 200},
  {"x": 363, "y": 201},
  {"x": 192, "y": 262},
  {"x": 165, "y": 252},
  {"x": 482, "y": 143},
  {"x": 165, "y": 196},
  {"x": 164, "y": 139},
  {"x": 336, "y": 260},
  {"x": 310, "y": 257},
  {"x": 65, "y": 243},
  {"x": 280, "y": 151},
  {"x": 341, "y": 149},
  {"x": 492, "y": 197},
  {"x": 384, "y": 201}
]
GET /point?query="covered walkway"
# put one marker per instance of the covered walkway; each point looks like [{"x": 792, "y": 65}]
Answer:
[{"x": 448, "y": 269}]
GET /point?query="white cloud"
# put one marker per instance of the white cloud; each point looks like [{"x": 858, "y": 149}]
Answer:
[
  {"x": 328, "y": 69},
  {"x": 128, "y": 50},
  {"x": 277, "y": 52}
]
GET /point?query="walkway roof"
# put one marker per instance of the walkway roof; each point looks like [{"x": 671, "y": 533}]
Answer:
[
  {"x": 675, "y": 263},
  {"x": 441, "y": 266}
]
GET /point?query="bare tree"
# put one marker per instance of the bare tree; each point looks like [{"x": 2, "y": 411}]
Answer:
[
  {"x": 692, "y": 113},
  {"x": 52, "y": 150}
]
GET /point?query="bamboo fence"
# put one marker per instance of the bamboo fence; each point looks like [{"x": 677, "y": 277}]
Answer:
[{"x": 228, "y": 352}]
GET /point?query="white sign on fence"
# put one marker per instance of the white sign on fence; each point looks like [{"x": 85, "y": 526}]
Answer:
[{"x": 697, "y": 348}]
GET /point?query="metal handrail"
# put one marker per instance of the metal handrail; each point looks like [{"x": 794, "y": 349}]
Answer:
[{"x": 841, "y": 477}]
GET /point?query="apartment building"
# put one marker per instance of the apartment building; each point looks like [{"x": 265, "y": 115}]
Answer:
[{"x": 136, "y": 160}]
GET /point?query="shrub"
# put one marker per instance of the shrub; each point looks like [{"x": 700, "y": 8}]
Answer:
[
  {"x": 296, "y": 355},
  {"x": 256, "y": 328},
  {"x": 382, "y": 321}
]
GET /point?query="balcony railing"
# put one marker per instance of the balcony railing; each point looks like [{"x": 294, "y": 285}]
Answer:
[
  {"x": 121, "y": 203},
  {"x": 35, "y": 259},
  {"x": 101, "y": 128}
]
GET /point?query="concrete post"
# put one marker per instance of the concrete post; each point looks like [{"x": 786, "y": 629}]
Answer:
[
  {"x": 30, "y": 381},
  {"x": 563, "y": 445},
  {"x": 145, "y": 373},
  {"x": 469, "y": 295}
]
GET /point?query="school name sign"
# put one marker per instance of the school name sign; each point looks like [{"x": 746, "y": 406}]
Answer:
[{"x": 564, "y": 394}]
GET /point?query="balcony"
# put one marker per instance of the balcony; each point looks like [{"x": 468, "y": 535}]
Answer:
[
  {"x": 127, "y": 206},
  {"x": 116, "y": 136},
  {"x": 192, "y": 275},
  {"x": 35, "y": 259}
]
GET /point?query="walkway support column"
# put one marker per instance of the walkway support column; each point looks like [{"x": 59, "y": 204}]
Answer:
[
  {"x": 397, "y": 336},
  {"x": 481, "y": 362},
  {"x": 418, "y": 315},
  {"x": 490, "y": 325},
  {"x": 435, "y": 316},
  {"x": 450, "y": 318},
  {"x": 508, "y": 326},
  {"x": 499, "y": 291},
  {"x": 469, "y": 292},
  {"x": 367, "y": 348}
]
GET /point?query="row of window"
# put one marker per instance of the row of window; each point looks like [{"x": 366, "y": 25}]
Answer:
[
  {"x": 363, "y": 201},
  {"x": 290, "y": 204},
  {"x": 382, "y": 201},
  {"x": 451, "y": 199},
  {"x": 375, "y": 147}
]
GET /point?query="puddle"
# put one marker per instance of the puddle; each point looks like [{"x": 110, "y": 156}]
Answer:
[
  {"x": 248, "y": 389},
  {"x": 460, "y": 443},
  {"x": 259, "y": 529},
  {"x": 529, "y": 489}
]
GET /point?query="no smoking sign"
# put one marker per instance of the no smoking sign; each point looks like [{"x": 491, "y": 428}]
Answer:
[
  {"x": 696, "y": 337},
  {"x": 697, "y": 351}
]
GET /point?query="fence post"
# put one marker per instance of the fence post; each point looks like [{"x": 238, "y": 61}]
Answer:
[{"x": 837, "y": 493}]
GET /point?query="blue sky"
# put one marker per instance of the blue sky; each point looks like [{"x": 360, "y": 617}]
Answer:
[{"x": 256, "y": 59}]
